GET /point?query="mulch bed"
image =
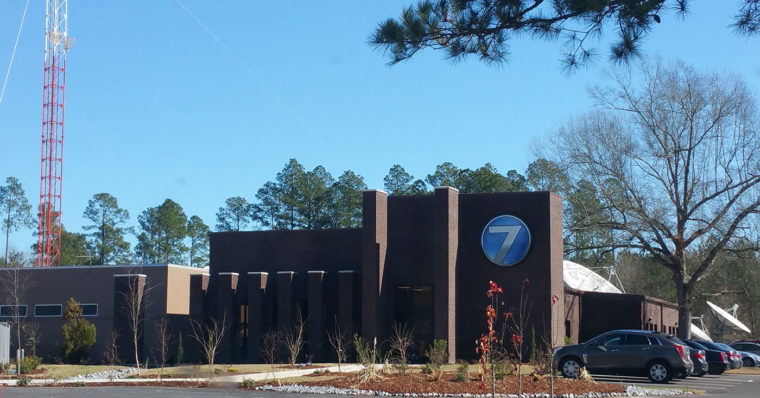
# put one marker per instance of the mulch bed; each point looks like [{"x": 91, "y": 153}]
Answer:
[{"x": 423, "y": 383}]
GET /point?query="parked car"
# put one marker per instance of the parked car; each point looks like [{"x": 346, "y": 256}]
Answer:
[
  {"x": 657, "y": 355},
  {"x": 749, "y": 359},
  {"x": 733, "y": 356},
  {"x": 756, "y": 341},
  {"x": 717, "y": 360},
  {"x": 746, "y": 346},
  {"x": 699, "y": 357}
]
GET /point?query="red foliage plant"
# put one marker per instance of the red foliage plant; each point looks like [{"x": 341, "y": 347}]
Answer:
[{"x": 483, "y": 344}]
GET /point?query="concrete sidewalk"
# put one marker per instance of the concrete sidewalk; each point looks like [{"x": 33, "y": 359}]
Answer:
[{"x": 238, "y": 378}]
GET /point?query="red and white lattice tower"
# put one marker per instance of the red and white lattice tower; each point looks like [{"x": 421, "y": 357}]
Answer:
[{"x": 56, "y": 45}]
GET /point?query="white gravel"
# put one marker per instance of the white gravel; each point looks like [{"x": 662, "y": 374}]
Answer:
[{"x": 104, "y": 375}]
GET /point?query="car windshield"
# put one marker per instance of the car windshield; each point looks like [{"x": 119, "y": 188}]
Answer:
[{"x": 725, "y": 346}]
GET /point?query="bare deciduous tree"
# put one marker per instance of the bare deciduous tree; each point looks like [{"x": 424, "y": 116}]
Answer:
[
  {"x": 134, "y": 300},
  {"x": 340, "y": 342},
  {"x": 162, "y": 338},
  {"x": 292, "y": 338},
  {"x": 15, "y": 284},
  {"x": 675, "y": 157},
  {"x": 111, "y": 353},
  {"x": 270, "y": 346},
  {"x": 209, "y": 336}
]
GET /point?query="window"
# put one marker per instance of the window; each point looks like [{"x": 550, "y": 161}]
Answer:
[
  {"x": 654, "y": 341},
  {"x": 636, "y": 339},
  {"x": 89, "y": 309},
  {"x": 12, "y": 311},
  {"x": 47, "y": 310},
  {"x": 615, "y": 339}
]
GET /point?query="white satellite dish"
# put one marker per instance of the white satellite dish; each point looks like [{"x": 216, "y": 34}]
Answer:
[
  {"x": 579, "y": 277},
  {"x": 727, "y": 319},
  {"x": 698, "y": 332}
]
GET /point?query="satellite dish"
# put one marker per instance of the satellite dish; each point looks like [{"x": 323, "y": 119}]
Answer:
[
  {"x": 697, "y": 331},
  {"x": 727, "y": 319},
  {"x": 579, "y": 277}
]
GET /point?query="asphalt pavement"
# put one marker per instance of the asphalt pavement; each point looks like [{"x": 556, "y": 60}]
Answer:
[{"x": 725, "y": 386}]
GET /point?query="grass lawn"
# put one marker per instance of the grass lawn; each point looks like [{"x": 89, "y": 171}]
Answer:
[{"x": 744, "y": 371}]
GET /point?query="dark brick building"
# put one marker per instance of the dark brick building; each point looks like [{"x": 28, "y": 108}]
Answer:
[
  {"x": 417, "y": 260},
  {"x": 424, "y": 260}
]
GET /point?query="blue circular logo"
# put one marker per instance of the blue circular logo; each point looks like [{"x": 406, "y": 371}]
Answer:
[{"x": 505, "y": 240}]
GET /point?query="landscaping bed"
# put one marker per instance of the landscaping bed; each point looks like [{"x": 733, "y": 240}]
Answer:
[{"x": 418, "y": 383}]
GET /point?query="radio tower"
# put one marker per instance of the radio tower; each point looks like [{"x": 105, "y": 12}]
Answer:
[{"x": 56, "y": 45}]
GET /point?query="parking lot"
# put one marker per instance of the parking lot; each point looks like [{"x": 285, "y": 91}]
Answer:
[{"x": 727, "y": 385}]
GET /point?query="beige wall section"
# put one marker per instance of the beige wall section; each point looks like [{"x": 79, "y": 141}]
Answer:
[{"x": 178, "y": 288}]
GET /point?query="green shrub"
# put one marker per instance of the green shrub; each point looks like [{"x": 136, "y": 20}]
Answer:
[
  {"x": 568, "y": 340},
  {"x": 249, "y": 384},
  {"x": 29, "y": 363},
  {"x": 437, "y": 354},
  {"x": 463, "y": 371},
  {"x": 78, "y": 333},
  {"x": 23, "y": 381}
]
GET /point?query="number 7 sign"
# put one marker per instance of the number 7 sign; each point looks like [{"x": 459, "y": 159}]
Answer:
[{"x": 505, "y": 240}]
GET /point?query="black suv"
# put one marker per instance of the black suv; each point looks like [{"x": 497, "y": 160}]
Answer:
[{"x": 658, "y": 355}]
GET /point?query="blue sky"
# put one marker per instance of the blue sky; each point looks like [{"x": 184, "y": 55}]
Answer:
[{"x": 156, "y": 108}]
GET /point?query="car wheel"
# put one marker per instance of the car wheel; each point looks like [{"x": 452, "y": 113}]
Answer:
[
  {"x": 700, "y": 374},
  {"x": 570, "y": 367},
  {"x": 748, "y": 362},
  {"x": 659, "y": 372}
]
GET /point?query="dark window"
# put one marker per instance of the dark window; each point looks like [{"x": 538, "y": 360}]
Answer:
[
  {"x": 10, "y": 311},
  {"x": 636, "y": 339},
  {"x": 615, "y": 339},
  {"x": 89, "y": 309},
  {"x": 654, "y": 341},
  {"x": 47, "y": 310}
]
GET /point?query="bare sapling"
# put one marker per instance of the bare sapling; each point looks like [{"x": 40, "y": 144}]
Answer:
[
  {"x": 111, "y": 353},
  {"x": 292, "y": 338},
  {"x": 339, "y": 342},
  {"x": 270, "y": 347},
  {"x": 209, "y": 336},
  {"x": 162, "y": 339},
  {"x": 400, "y": 342}
]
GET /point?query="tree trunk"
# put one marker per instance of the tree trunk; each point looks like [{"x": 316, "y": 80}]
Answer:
[
  {"x": 137, "y": 357},
  {"x": 683, "y": 293}
]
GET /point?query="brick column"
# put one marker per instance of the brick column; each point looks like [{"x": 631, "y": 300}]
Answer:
[
  {"x": 198, "y": 289},
  {"x": 226, "y": 311},
  {"x": 315, "y": 325},
  {"x": 374, "y": 245},
  {"x": 285, "y": 300},
  {"x": 445, "y": 246},
  {"x": 257, "y": 285}
]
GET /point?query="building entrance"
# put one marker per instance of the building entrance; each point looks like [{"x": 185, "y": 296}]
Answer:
[{"x": 413, "y": 307}]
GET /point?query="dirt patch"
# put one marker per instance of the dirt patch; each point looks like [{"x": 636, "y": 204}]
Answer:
[{"x": 421, "y": 383}]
